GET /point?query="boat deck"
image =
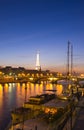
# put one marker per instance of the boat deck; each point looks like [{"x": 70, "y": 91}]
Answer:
[
  {"x": 20, "y": 110},
  {"x": 57, "y": 103}
]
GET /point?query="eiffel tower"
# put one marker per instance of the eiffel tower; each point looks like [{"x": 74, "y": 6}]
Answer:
[{"x": 38, "y": 67}]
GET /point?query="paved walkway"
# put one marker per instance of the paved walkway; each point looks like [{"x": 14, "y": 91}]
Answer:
[
  {"x": 77, "y": 121},
  {"x": 32, "y": 124},
  {"x": 79, "y": 125}
]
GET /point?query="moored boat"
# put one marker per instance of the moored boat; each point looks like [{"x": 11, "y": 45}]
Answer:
[
  {"x": 20, "y": 114},
  {"x": 31, "y": 108},
  {"x": 37, "y": 102},
  {"x": 64, "y": 96}
]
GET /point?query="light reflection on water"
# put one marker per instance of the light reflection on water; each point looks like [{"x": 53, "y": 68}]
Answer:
[{"x": 13, "y": 95}]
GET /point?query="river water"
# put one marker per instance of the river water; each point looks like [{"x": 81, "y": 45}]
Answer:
[{"x": 13, "y": 95}]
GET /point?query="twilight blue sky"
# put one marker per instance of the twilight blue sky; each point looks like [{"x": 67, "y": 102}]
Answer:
[{"x": 28, "y": 26}]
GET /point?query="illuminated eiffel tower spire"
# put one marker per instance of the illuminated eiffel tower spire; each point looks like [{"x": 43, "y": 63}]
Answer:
[{"x": 38, "y": 67}]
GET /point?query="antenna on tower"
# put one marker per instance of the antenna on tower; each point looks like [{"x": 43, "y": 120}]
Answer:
[{"x": 38, "y": 67}]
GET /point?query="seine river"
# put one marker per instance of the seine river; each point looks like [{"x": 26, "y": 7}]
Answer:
[{"x": 13, "y": 95}]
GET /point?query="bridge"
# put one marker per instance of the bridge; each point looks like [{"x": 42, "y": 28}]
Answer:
[{"x": 38, "y": 79}]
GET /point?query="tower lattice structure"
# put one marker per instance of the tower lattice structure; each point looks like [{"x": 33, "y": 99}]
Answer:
[{"x": 38, "y": 66}]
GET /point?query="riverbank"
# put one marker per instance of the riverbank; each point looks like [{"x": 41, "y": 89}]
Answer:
[
  {"x": 38, "y": 123},
  {"x": 79, "y": 123},
  {"x": 48, "y": 120}
]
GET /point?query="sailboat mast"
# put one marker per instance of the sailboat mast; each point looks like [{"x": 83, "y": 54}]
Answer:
[
  {"x": 68, "y": 52},
  {"x": 71, "y": 59}
]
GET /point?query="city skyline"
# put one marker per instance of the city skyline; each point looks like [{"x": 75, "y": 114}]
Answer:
[{"x": 29, "y": 26}]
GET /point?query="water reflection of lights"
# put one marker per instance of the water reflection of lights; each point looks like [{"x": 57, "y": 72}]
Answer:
[
  {"x": 14, "y": 95},
  {"x": 10, "y": 88},
  {"x": 18, "y": 84},
  {"x": 6, "y": 88},
  {"x": 49, "y": 86},
  {"x": 13, "y": 84},
  {"x": 31, "y": 89},
  {"x": 59, "y": 89},
  {"x": 6, "y": 85},
  {"x": 1, "y": 100},
  {"x": 1, "y": 92},
  {"x": 38, "y": 88},
  {"x": 23, "y": 85},
  {"x": 10, "y": 84}
]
